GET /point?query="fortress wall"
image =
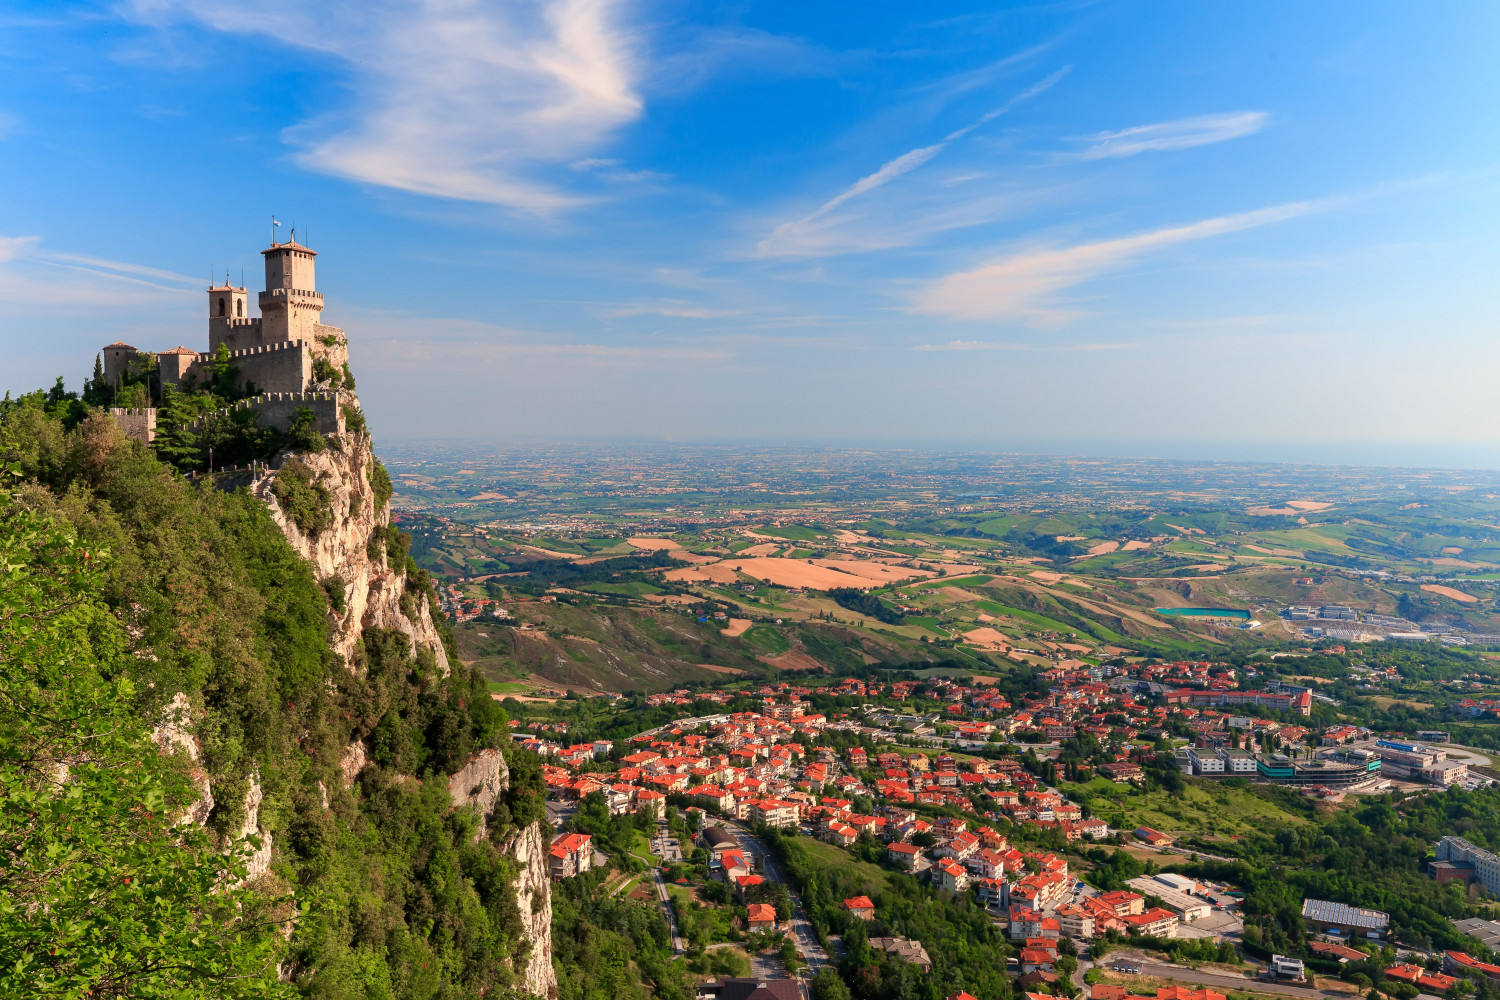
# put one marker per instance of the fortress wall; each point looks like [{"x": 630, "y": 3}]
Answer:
[
  {"x": 276, "y": 409},
  {"x": 237, "y": 334},
  {"x": 138, "y": 424},
  {"x": 284, "y": 367}
]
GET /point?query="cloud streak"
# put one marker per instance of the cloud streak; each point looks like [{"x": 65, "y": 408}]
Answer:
[
  {"x": 1184, "y": 133},
  {"x": 674, "y": 308},
  {"x": 33, "y": 279},
  {"x": 1024, "y": 285},
  {"x": 456, "y": 100},
  {"x": 798, "y": 238},
  {"x": 991, "y": 345}
]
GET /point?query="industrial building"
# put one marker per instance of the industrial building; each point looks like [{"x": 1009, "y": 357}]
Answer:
[
  {"x": 1337, "y": 770},
  {"x": 1342, "y": 920},
  {"x": 1459, "y": 860},
  {"x": 1174, "y": 891}
]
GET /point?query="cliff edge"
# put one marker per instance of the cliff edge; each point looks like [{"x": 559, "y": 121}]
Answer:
[{"x": 354, "y": 552}]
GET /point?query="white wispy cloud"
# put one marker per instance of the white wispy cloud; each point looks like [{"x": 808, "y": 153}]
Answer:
[
  {"x": 807, "y": 236},
  {"x": 674, "y": 308},
  {"x": 458, "y": 99},
  {"x": 34, "y": 279},
  {"x": 120, "y": 270},
  {"x": 12, "y": 247},
  {"x": 1184, "y": 133},
  {"x": 992, "y": 345},
  {"x": 1023, "y": 285}
]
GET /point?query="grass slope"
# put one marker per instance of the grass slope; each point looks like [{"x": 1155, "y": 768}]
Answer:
[{"x": 1207, "y": 808}]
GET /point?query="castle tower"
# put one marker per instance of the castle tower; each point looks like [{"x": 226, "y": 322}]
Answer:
[
  {"x": 116, "y": 359},
  {"x": 228, "y": 319},
  {"x": 290, "y": 307},
  {"x": 226, "y": 302}
]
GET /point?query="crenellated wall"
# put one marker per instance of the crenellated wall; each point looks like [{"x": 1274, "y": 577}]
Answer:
[
  {"x": 276, "y": 409},
  {"x": 138, "y": 424}
]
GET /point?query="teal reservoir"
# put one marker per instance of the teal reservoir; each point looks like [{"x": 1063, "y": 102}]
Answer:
[{"x": 1234, "y": 613}]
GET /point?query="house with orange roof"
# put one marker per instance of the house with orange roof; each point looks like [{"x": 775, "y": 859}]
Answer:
[
  {"x": 1155, "y": 922},
  {"x": 950, "y": 875},
  {"x": 1432, "y": 982},
  {"x": 904, "y": 855},
  {"x": 860, "y": 907},
  {"x": 1184, "y": 993},
  {"x": 762, "y": 917},
  {"x": 571, "y": 854}
]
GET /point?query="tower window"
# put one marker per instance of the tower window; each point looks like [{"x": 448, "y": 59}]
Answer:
[
  {"x": 221, "y": 305},
  {"x": 239, "y": 307}
]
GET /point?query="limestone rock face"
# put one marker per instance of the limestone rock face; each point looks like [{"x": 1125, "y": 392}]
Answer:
[
  {"x": 351, "y": 762},
  {"x": 259, "y": 862},
  {"x": 373, "y": 593},
  {"x": 480, "y": 783},
  {"x": 174, "y": 734},
  {"x": 534, "y": 898},
  {"x": 372, "y": 589}
]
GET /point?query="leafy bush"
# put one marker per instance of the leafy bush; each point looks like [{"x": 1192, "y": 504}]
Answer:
[
  {"x": 302, "y": 432},
  {"x": 155, "y": 909},
  {"x": 866, "y": 604},
  {"x": 323, "y": 371},
  {"x": 305, "y": 502},
  {"x": 333, "y": 586},
  {"x": 354, "y": 420},
  {"x": 380, "y": 483}
]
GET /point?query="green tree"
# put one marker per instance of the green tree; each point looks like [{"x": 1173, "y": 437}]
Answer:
[{"x": 103, "y": 892}]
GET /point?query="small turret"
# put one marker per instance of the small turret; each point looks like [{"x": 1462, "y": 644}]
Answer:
[
  {"x": 227, "y": 302},
  {"x": 116, "y": 361}
]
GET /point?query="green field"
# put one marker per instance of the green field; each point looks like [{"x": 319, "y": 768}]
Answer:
[
  {"x": 957, "y": 581},
  {"x": 508, "y": 687},
  {"x": 828, "y": 857},
  {"x": 1207, "y": 808},
  {"x": 923, "y": 622},
  {"x": 634, "y": 588},
  {"x": 794, "y": 532},
  {"x": 1039, "y": 621},
  {"x": 767, "y": 638}
]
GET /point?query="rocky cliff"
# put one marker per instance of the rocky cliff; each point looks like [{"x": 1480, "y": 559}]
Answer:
[
  {"x": 372, "y": 587},
  {"x": 480, "y": 784},
  {"x": 352, "y": 554},
  {"x": 534, "y": 897}
]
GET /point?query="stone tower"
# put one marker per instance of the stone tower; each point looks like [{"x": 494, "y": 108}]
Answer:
[
  {"x": 290, "y": 307},
  {"x": 226, "y": 302}
]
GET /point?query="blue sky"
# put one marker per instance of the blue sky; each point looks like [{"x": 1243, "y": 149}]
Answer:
[{"x": 1237, "y": 230}]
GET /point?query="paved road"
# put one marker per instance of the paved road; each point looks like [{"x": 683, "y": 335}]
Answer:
[
  {"x": 1084, "y": 965},
  {"x": 1223, "y": 982},
  {"x": 678, "y": 944},
  {"x": 802, "y": 930}
]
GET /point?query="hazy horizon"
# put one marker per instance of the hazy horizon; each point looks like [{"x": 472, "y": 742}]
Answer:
[{"x": 1407, "y": 456}]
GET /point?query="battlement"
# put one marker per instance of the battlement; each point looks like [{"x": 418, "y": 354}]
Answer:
[
  {"x": 285, "y": 345},
  {"x": 276, "y": 409},
  {"x": 289, "y": 294},
  {"x": 137, "y": 423}
]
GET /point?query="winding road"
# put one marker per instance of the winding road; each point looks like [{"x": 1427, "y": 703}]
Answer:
[{"x": 801, "y": 927}]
